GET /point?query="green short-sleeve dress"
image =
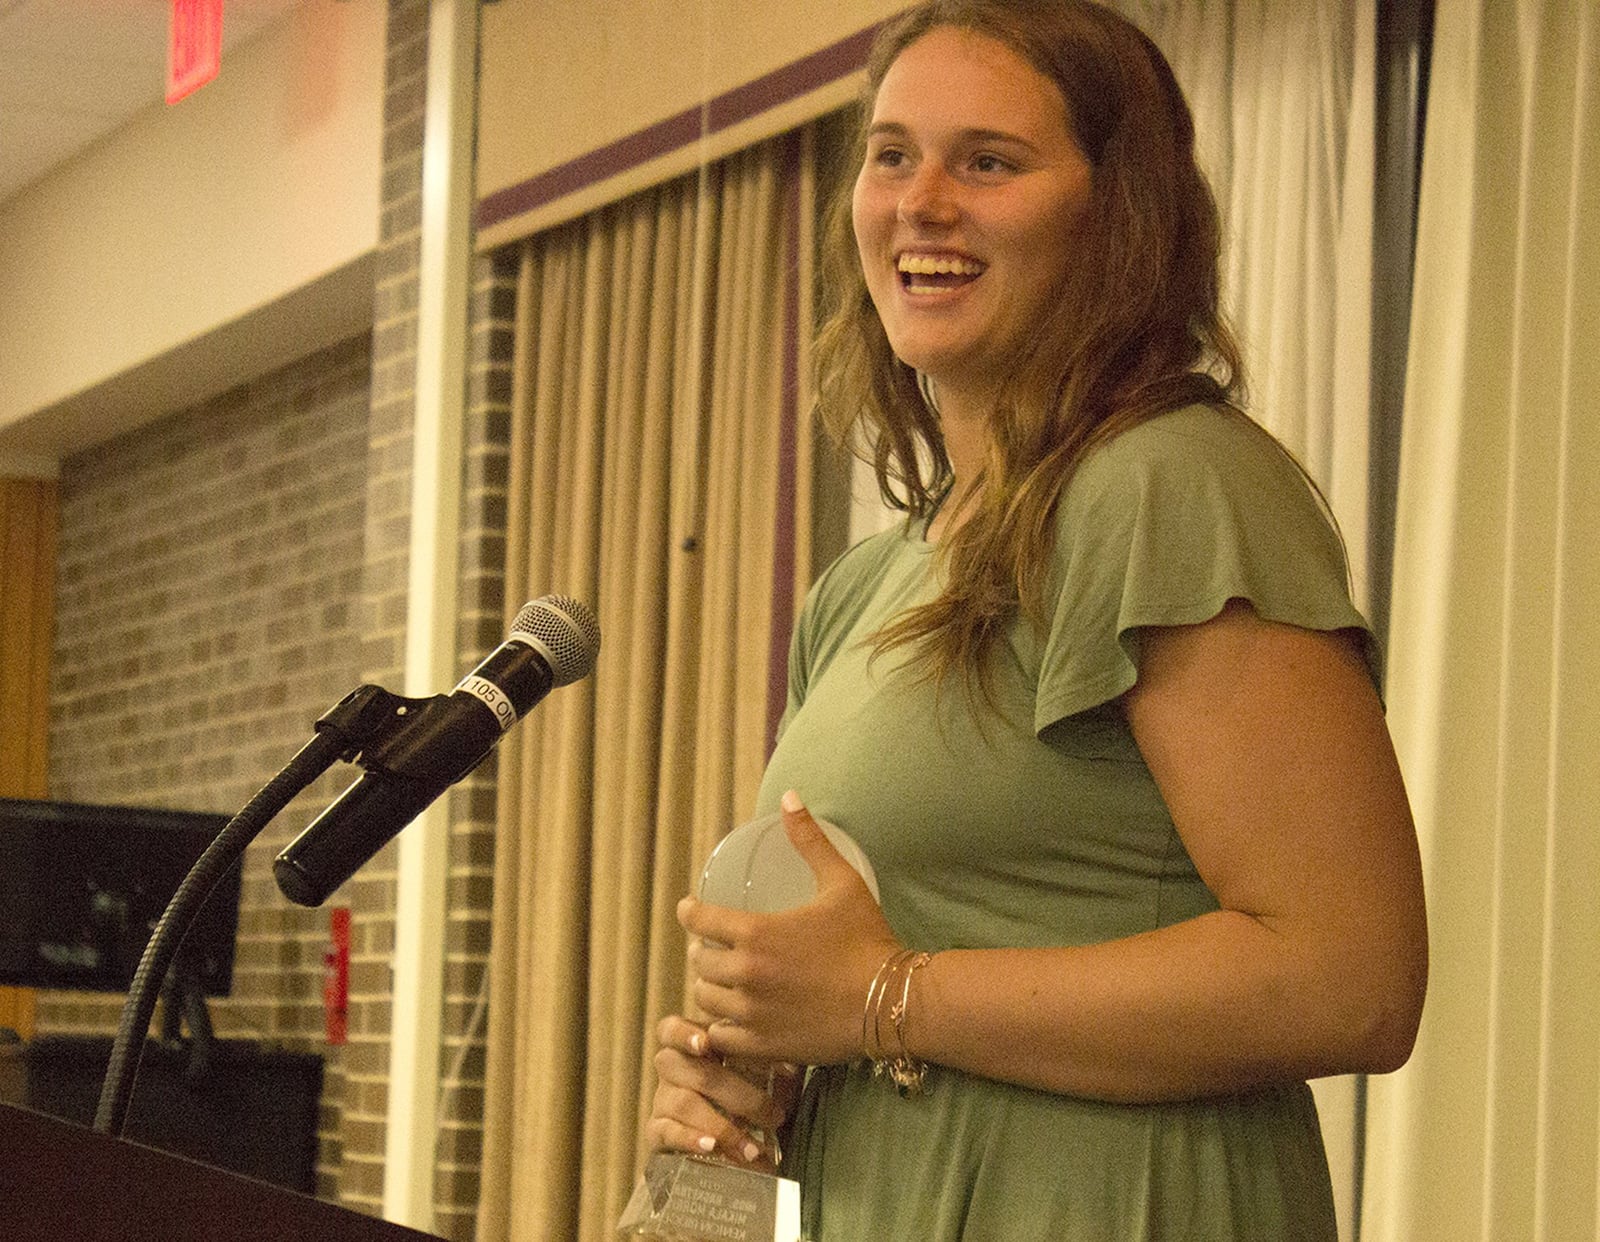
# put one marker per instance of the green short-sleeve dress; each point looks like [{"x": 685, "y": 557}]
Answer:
[{"x": 1039, "y": 824}]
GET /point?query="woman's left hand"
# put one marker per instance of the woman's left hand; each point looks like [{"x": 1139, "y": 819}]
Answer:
[{"x": 791, "y": 986}]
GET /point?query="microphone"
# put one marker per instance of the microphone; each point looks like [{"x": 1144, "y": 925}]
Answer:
[{"x": 430, "y": 744}]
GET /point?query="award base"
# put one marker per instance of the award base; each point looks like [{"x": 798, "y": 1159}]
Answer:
[{"x": 684, "y": 1198}]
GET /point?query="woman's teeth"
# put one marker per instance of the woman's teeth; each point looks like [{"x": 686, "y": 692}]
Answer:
[{"x": 922, "y": 272}]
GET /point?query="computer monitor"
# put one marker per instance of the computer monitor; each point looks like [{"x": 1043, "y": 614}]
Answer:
[{"x": 82, "y": 886}]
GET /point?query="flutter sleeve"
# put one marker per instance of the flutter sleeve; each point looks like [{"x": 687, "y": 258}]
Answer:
[{"x": 1164, "y": 525}]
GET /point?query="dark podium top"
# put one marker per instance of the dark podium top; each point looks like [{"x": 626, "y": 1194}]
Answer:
[{"x": 61, "y": 1181}]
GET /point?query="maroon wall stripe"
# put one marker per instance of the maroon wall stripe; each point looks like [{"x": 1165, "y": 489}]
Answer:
[{"x": 676, "y": 132}]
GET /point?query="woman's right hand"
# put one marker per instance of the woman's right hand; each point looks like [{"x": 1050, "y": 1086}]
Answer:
[{"x": 704, "y": 1106}]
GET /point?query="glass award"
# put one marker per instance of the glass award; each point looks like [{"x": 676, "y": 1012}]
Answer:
[{"x": 684, "y": 1197}]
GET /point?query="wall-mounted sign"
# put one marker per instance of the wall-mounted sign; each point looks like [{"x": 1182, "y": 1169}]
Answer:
[{"x": 194, "y": 46}]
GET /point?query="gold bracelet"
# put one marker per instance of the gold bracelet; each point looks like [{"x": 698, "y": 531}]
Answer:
[
  {"x": 908, "y": 1072},
  {"x": 869, "y": 1013},
  {"x": 881, "y": 1059},
  {"x": 905, "y": 1070}
]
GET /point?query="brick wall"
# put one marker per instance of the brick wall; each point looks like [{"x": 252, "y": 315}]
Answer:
[
  {"x": 483, "y": 608},
  {"x": 371, "y": 892},
  {"x": 208, "y": 567},
  {"x": 482, "y": 626},
  {"x": 227, "y": 575}
]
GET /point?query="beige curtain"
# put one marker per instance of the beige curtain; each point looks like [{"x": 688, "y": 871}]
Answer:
[
  {"x": 1493, "y": 1130},
  {"x": 652, "y": 475},
  {"x": 1283, "y": 102}
]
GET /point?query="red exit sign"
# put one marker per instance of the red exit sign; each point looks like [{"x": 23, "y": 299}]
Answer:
[{"x": 194, "y": 46}]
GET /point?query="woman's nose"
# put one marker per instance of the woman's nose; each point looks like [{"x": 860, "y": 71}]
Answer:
[{"x": 929, "y": 197}]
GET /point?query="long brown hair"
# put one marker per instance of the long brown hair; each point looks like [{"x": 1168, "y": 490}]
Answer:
[{"x": 1136, "y": 328}]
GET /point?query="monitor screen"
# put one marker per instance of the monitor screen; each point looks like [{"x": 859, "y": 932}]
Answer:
[{"x": 81, "y": 889}]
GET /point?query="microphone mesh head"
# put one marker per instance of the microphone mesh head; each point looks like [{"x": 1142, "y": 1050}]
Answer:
[{"x": 566, "y": 632}]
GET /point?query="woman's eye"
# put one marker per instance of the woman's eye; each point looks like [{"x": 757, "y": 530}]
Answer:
[
  {"x": 989, "y": 164},
  {"x": 889, "y": 157}
]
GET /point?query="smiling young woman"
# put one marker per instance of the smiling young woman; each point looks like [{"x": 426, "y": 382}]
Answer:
[
  {"x": 965, "y": 210},
  {"x": 1100, "y": 712},
  {"x": 1134, "y": 327}
]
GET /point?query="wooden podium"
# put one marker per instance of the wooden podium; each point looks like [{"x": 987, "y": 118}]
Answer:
[{"x": 61, "y": 1181}]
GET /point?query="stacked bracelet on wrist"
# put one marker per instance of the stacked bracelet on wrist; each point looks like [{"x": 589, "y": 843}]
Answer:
[{"x": 894, "y": 976}]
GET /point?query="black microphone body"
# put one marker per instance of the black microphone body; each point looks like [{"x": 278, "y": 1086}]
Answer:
[{"x": 427, "y": 745}]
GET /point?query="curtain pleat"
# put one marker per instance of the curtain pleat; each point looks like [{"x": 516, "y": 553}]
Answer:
[
  {"x": 644, "y": 477},
  {"x": 633, "y": 515},
  {"x": 1493, "y": 1130},
  {"x": 1283, "y": 108}
]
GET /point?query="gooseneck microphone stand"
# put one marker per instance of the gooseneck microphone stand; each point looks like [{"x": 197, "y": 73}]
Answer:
[
  {"x": 358, "y": 722},
  {"x": 413, "y": 749}
]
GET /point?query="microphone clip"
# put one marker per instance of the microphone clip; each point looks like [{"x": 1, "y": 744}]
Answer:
[{"x": 411, "y": 739}]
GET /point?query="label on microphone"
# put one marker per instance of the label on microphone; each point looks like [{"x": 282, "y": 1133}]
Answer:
[{"x": 492, "y": 697}]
